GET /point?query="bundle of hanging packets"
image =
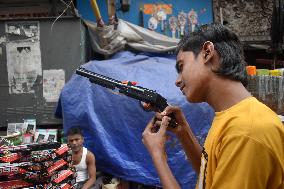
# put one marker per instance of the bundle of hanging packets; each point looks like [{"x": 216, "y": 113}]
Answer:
[{"x": 40, "y": 166}]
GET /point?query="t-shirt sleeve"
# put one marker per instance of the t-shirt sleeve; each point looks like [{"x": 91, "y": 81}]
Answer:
[{"x": 242, "y": 162}]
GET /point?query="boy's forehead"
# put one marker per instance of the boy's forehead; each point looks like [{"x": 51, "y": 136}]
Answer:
[
  {"x": 180, "y": 56},
  {"x": 74, "y": 136}
]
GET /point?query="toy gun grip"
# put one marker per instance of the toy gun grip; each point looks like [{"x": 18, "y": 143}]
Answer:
[
  {"x": 151, "y": 107},
  {"x": 161, "y": 107},
  {"x": 172, "y": 124}
]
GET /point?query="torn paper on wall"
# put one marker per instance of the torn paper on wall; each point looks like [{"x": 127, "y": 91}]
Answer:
[
  {"x": 53, "y": 82},
  {"x": 27, "y": 29},
  {"x": 23, "y": 57},
  {"x": 2, "y": 40}
]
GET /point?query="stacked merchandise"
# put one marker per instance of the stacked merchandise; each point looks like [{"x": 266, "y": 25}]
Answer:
[
  {"x": 41, "y": 166},
  {"x": 269, "y": 90},
  {"x": 267, "y": 86}
]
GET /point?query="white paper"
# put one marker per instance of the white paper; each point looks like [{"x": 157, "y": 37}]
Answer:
[
  {"x": 2, "y": 39},
  {"x": 53, "y": 82},
  {"x": 29, "y": 29},
  {"x": 23, "y": 57}
]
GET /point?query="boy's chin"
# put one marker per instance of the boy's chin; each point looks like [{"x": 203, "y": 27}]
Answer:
[
  {"x": 77, "y": 149},
  {"x": 192, "y": 99}
]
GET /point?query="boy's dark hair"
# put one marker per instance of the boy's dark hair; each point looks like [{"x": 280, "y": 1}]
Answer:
[
  {"x": 74, "y": 131},
  {"x": 226, "y": 43}
]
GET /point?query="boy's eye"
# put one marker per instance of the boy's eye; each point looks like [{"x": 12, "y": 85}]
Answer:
[{"x": 180, "y": 68}]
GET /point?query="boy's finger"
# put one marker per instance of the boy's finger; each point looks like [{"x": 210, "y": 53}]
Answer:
[{"x": 164, "y": 125}]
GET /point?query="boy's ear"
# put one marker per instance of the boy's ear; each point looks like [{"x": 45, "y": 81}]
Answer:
[{"x": 207, "y": 50}]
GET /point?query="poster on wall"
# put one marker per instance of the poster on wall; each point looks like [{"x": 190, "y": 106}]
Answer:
[
  {"x": 53, "y": 82},
  {"x": 175, "y": 20},
  {"x": 23, "y": 56}
]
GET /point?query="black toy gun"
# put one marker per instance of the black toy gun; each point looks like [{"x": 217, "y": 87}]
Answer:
[{"x": 129, "y": 89}]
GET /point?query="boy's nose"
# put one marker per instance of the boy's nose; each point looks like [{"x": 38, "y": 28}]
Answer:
[{"x": 178, "y": 81}]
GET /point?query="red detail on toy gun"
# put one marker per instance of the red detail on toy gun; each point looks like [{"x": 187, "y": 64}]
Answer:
[{"x": 129, "y": 83}]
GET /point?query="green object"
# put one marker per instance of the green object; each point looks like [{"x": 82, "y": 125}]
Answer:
[
  {"x": 16, "y": 140},
  {"x": 63, "y": 139},
  {"x": 262, "y": 72}
]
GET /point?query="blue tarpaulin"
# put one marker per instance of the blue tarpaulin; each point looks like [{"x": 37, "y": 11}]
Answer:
[{"x": 113, "y": 123}]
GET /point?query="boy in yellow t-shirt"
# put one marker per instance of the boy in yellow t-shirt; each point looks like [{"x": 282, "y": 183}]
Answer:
[{"x": 244, "y": 148}]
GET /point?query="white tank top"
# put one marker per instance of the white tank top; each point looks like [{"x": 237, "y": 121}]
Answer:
[{"x": 81, "y": 168}]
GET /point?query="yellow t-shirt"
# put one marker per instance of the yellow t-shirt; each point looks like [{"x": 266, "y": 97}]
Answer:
[{"x": 244, "y": 149}]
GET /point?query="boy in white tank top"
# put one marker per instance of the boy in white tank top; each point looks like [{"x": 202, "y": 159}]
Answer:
[{"x": 83, "y": 159}]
